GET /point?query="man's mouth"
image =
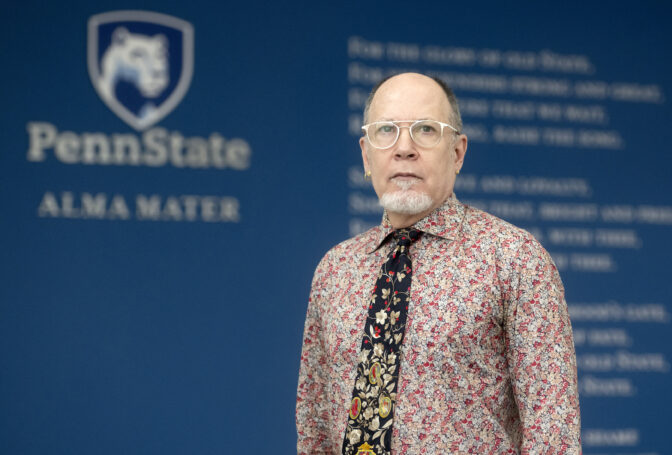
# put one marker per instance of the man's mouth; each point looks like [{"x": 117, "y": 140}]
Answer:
[
  {"x": 405, "y": 180},
  {"x": 404, "y": 176}
]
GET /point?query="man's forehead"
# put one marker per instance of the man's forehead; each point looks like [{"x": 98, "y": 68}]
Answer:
[
  {"x": 410, "y": 90},
  {"x": 409, "y": 79}
]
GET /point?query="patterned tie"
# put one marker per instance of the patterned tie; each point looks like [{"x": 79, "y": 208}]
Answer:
[{"x": 369, "y": 429}]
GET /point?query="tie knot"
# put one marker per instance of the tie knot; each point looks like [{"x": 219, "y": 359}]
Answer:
[{"x": 405, "y": 237}]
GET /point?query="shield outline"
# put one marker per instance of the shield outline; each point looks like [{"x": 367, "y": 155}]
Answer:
[{"x": 187, "y": 62}]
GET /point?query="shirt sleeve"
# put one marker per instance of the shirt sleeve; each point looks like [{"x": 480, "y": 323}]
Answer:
[
  {"x": 541, "y": 356},
  {"x": 311, "y": 403}
]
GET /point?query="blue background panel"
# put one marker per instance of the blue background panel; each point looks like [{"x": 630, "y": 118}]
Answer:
[{"x": 142, "y": 336}]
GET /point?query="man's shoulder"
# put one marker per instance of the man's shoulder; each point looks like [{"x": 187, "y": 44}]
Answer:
[
  {"x": 358, "y": 245},
  {"x": 513, "y": 248},
  {"x": 341, "y": 260},
  {"x": 479, "y": 224}
]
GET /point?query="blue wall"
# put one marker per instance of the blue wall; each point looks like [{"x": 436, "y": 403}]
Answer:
[{"x": 152, "y": 301}]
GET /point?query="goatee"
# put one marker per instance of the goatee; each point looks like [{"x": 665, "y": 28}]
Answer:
[{"x": 406, "y": 201}]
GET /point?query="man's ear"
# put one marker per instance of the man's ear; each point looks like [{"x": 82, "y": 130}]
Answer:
[
  {"x": 365, "y": 157},
  {"x": 460, "y": 149}
]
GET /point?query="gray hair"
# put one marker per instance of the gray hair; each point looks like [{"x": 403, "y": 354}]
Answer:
[{"x": 452, "y": 100}]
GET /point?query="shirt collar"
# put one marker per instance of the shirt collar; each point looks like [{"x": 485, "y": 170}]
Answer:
[{"x": 444, "y": 221}]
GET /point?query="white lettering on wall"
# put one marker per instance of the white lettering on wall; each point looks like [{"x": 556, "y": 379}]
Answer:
[
  {"x": 156, "y": 147},
  {"x": 155, "y": 207}
]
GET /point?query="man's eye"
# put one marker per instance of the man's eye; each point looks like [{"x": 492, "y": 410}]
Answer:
[
  {"x": 386, "y": 129},
  {"x": 426, "y": 129}
]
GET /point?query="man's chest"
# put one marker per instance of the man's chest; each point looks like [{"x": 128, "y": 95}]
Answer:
[{"x": 456, "y": 309}]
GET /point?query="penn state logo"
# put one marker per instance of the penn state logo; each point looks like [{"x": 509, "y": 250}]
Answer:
[{"x": 140, "y": 63}]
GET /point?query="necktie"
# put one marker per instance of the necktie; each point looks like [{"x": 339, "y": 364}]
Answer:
[{"x": 369, "y": 429}]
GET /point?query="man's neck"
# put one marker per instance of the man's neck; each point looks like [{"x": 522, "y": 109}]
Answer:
[{"x": 402, "y": 220}]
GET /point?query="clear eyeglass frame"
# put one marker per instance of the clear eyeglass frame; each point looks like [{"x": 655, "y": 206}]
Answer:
[{"x": 414, "y": 124}]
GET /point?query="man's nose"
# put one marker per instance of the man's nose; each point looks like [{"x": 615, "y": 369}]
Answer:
[{"x": 405, "y": 145}]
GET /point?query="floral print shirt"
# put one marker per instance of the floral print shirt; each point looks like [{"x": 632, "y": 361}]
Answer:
[{"x": 487, "y": 365}]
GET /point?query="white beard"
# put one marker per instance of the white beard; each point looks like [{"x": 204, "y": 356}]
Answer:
[{"x": 406, "y": 201}]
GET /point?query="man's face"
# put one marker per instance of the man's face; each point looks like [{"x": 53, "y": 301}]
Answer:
[{"x": 406, "y": 172}]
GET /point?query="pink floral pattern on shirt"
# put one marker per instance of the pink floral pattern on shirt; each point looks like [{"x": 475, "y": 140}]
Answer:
[{"x": 487, "y": 365}]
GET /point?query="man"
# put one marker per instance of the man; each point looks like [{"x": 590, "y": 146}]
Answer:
[{"x": 479, "y": 357}]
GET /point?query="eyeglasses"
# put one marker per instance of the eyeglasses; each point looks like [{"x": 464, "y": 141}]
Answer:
[{"x": 425, "y": 133}]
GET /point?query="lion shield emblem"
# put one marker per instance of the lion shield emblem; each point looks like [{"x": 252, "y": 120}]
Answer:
[{"x": 140, "y": 63}]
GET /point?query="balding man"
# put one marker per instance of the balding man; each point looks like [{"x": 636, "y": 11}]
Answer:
[{"x": 444, "y": 329}]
